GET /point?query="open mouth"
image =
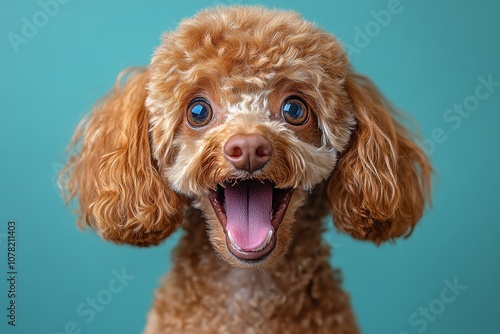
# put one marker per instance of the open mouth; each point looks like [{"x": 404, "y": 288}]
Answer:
[{"x": 250, "y": 212}]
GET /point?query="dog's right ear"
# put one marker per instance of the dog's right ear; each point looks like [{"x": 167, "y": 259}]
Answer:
[{"x": 112, "y": 172}]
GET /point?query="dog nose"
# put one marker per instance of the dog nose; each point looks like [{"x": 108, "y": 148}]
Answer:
[{"x": 248, "y": 152}]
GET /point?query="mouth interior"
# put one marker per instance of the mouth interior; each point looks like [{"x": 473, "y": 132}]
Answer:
[{"x": 250, "y": 212}]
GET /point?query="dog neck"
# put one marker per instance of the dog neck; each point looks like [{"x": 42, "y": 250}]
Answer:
[{"x": 202, "y": 282}]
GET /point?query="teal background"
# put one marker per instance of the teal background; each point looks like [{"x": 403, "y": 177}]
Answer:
[{"x": 427, "y": 59}]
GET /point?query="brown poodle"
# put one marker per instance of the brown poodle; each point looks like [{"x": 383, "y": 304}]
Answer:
[{"x": 247, "y": 129}]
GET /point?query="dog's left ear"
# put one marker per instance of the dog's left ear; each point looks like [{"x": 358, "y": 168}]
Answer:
[{"x": 381, "y": 184}]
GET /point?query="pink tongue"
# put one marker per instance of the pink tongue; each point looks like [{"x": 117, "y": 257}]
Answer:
[{"x": 249, "y": 210}]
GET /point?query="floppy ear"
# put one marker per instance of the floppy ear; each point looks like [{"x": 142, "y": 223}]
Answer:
[
  {"x": 381, "y": 184},
  {"x": 119, "y": 187}
]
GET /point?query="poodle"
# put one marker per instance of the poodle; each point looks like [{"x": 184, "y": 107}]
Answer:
[{"x": 247, "y": 129}]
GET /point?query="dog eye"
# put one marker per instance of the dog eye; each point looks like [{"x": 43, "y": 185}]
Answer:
[
  {"x": 199, "y": 112},
  {"x": 294, "y": 111}
]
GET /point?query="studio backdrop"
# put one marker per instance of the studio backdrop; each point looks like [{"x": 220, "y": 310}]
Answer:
[{"x": 436, "y": 60}]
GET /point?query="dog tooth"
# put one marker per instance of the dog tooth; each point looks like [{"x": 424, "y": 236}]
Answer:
[
  {"x": 266, "y": 242},
  {"x": 268, "y": 238},
  {"x": 230, "y": 237}
]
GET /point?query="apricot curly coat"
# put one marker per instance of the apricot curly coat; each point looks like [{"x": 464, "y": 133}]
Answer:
[{"x": 140, "y": 169}]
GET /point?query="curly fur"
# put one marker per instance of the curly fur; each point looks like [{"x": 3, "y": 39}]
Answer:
[{"x": 140, "y": 170}]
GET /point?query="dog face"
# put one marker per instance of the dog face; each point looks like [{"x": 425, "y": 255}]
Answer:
[
  {"x": 241, "y": 113},
  {"x": 253, "y": 101}
]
